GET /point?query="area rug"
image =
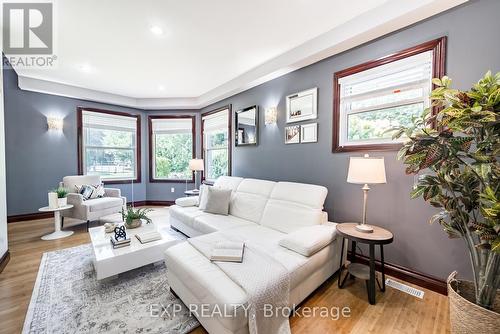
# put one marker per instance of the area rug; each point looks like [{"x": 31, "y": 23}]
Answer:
[{"x": 67, "y": 298}]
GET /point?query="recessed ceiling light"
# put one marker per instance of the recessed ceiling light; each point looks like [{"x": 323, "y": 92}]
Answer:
[
  {"x": 156, "y": 30},
  {"x": 161, "y": 87}
]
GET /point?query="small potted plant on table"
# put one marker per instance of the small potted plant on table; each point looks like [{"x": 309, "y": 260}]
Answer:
[
  {"x": 459, "y": 148},
  {"x": 133, "y": 217},
  {"x": 62, "y": 194}
]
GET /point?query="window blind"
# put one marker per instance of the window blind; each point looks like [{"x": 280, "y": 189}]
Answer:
[
  {"x": 108, "y": 121},
  {"x": 217, "y": 121},
  {"x": 171, "y": 125},
  {"x": 412, "y": 70}
]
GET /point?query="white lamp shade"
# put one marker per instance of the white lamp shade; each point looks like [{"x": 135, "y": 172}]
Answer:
[
  {"x": 366, "y": 170},
  {"x": 196, "y": 164}
]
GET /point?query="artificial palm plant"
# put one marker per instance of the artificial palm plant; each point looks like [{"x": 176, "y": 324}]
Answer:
[{"x": 458, "y": 147}]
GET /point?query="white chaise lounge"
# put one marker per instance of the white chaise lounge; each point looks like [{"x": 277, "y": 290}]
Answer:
[{"x": 262, "y": 212}]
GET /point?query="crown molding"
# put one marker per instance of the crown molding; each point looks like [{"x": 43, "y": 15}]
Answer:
[{"x": 387, "y": 18}]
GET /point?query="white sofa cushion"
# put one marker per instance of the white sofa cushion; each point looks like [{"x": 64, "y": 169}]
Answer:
[
  {"x": 99, "y": 204},
  {"x": 309, "y": 195},
  {"x": 209, "y": 223},
  {"x": 187, "y": 201},
  {"x": 207, "y": 283},
  {"x": 249, "y": 200},
  {"x": 294, "y": 205},
  {"x": 228, "y": 182},
  {"x": 309, "y": 240},
  {"x": 185, "y": 214},
  {"x": 288, "y": 217}
]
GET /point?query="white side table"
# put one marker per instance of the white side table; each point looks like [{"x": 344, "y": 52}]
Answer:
[{"x": 57, "y": 234}]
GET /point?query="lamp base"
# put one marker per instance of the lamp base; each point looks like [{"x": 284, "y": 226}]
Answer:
[{"x": 364, "y": 228}]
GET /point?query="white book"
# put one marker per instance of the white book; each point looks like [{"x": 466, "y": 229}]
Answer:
[
  {"x": 228, "y": 251},
  {"x": 149, "y": 236}
]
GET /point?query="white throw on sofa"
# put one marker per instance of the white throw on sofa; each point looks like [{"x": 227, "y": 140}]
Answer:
[{"x": 265, "y": 213}]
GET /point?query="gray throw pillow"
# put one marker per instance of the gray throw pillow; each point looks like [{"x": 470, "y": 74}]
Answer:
[{"x": 218, "y": 200}]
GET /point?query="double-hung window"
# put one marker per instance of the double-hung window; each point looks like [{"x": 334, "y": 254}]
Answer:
[
  {"x": 216, "y": 135},
  {"x": 374, "y": 99},
  {"x": 171, "y": 147},
  {"x": 109, "y": 145}
]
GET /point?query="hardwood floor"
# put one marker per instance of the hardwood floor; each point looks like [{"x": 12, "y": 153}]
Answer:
[{"x": 395, "y": 311}]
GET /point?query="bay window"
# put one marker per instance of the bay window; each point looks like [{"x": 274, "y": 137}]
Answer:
[
  {"x": 171, "y": 145},
  {"x": 372, "y": 98},
  {"x": 216, "y": 138},
  {"x": 109, "y": 145}
]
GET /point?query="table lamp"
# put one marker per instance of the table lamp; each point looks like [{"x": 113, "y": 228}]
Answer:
[
  {"x": 366, "y": 170},
  {"x": 196, "y": 165}
]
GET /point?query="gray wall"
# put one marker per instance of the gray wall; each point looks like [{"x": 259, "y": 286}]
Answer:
[
  {"x": 37, "y": 159},
  {"x": 473, "y": 48}
]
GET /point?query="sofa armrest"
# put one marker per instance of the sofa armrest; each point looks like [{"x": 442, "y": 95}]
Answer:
[
  {"x": 75, "y": 199},
  {"x": 112, "y": 192},
  {"x": 309, "y": 240},
  {"x": 187, "y": 201}
]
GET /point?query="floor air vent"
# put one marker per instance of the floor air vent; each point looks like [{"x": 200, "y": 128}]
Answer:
[{"x": 405, "y": 288}]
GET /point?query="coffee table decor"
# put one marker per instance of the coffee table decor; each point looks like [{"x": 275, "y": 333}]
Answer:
[{"x": 109, "y": 261}]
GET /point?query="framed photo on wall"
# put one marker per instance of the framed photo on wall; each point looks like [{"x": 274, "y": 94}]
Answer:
[
  {"x": 302, "y": 106},
  {"x": 309, "y": 133},
  {"x": 292, "y": 134}
]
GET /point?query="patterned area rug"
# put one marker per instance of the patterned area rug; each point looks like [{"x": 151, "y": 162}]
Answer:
[{"x": 68, "y": 298}]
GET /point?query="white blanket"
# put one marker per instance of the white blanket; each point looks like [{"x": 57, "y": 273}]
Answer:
[{"x": 265, "y": 280}]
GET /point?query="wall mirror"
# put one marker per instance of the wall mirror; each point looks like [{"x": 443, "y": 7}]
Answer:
[{"x": 247, "y": 126}]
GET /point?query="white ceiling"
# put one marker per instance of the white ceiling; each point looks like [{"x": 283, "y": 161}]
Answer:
[{"x": 208, "y": 50}]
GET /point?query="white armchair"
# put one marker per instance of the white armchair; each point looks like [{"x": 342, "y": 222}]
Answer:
[{"x": 91, "y": 209}]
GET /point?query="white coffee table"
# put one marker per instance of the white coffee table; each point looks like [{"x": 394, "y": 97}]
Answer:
[
  {"x": 58, "y": 233},
  {"x": 109, "y": 261}
]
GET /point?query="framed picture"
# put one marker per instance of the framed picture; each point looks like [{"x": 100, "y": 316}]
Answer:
[
  {"x": 292, "y": 134},
  {"x": 302, "y": 106},
  {"x": 309, "y": 133}
]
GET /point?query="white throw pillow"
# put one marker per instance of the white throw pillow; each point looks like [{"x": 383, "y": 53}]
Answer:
[
  {"x": 309, "y": 240},
  {"x": 202, "y": 202},
  {"x": 218, "y": 201},
  {"x": 187, "y": 201}
]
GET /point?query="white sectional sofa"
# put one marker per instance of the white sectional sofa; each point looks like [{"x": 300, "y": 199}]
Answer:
[{"x": 262, "y": 212}]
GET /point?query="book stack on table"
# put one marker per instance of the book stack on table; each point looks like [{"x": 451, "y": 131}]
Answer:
[
  {"x": 149, "y": 236},
  {"x": 119, "y": 243}
]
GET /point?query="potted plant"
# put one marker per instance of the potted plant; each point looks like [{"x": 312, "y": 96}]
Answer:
[
  {"x": 62, "y": 200},
  {"x": 133, "y": 218},
  {"x": 458, "y": 148}
]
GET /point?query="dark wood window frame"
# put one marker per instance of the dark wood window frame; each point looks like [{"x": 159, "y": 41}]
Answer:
[
  {"x": 438, "y": 48},
  {"x": 150, "y": 140},
  {"x": 229, "y": 137},
  {"x": 79, "y": 111}
]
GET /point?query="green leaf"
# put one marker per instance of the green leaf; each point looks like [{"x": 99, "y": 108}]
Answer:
[{"x": 417, "y": 192}]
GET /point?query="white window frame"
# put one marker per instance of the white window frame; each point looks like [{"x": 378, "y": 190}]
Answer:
[
  {"x": 226, "y": 112},
  {"x": 114, "y": 117}
]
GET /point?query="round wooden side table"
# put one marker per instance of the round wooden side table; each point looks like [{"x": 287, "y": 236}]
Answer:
[{"x": 379, "y": 236}]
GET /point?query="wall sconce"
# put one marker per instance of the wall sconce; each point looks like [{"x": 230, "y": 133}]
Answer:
[
  {"x": 54, "y": 123},
  {"x": 271, "y": 116}
]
